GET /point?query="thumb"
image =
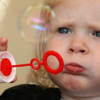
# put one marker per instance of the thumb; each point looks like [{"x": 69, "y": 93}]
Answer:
[{"x": 3, "y": 44}]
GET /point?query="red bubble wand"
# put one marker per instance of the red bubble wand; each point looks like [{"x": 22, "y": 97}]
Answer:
[{"x": 6, "y": 66}]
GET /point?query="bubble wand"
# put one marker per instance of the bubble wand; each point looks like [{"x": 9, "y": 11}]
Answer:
[{"x": 6, "y": 66}]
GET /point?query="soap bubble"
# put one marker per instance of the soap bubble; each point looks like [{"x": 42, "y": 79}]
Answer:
[
  {"x": 3, "y": 12},
  {"x": 36, "y": 23}
]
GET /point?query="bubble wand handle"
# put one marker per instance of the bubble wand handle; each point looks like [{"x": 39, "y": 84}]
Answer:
[
  {"x": 21, "y": 65},
  {"x": 30, "y": 64}
]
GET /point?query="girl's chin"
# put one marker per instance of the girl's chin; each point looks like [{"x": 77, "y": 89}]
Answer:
[
  {"x": 80, "y": 91},
  {"x": 75, "y": 84}
]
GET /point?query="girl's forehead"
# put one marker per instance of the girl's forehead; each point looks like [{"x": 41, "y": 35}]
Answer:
[
  {"x": 76, "y": 3},
  {"x": 87, "y": 8}
]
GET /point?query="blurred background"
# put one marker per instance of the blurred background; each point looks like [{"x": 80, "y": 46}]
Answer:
[{"x": 17, "y": 46}]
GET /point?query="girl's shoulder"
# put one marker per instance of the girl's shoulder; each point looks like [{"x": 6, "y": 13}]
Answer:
[{"x": 30, "y": 92}]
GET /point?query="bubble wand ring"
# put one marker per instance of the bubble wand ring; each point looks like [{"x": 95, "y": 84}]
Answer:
[
  {"x": 61, "y": 63},
  {"x": 6, "y": 67},
  {"x": 39, "y": 64}
]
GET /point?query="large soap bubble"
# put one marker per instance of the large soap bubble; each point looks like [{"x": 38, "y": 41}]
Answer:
[
  {"x": 36, "y": 23},
  {"x": 3, "y": 11}
]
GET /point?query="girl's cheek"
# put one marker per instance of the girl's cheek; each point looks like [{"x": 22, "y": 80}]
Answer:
[{"x": 53, "y": 62}]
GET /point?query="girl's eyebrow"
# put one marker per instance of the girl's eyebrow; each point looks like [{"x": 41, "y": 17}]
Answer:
[
  {"x": 94, "y": 25},
  {"x": 65, "y": 23}
]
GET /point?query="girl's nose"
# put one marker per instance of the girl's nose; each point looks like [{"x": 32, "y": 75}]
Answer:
[{"x": 78, "y": 46}]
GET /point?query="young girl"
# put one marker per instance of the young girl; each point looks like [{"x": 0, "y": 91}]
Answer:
[{"x": 77, "y": 40}]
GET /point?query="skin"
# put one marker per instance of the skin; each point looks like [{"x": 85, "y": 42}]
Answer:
[
  {"x": 3, "y": 47},
  {"x": 81, "y": 44}
]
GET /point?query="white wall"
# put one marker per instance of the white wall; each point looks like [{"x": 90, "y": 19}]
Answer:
[{"x": 20, "y": 49}]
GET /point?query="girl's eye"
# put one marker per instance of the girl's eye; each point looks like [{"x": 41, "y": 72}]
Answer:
[
  {"x": 97, "y": 33},
  {"x": 64, "y": 30}
]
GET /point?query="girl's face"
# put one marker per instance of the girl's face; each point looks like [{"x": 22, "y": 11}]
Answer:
[{"x": 77, "y": 40}]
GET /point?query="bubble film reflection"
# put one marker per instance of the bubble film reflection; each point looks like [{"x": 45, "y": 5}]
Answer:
[
  {"x": 3, "y": 11},
  {"x": 34, "y": 23}
]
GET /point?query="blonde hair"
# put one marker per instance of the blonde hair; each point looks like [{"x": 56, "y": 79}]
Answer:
[
  {"x": 52, "y": 3},
  {"x": 40, "y": 77}
]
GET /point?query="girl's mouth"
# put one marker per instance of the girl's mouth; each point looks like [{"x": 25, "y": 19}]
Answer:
[{"x": 74, "y": 68}]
